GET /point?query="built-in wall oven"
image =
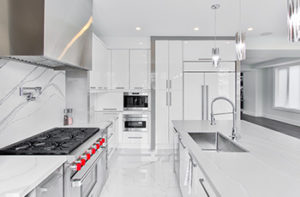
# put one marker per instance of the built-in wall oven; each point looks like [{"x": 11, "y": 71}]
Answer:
[
  {"x": 136, "y": 101},
  {"x": 135, "y": 122}
]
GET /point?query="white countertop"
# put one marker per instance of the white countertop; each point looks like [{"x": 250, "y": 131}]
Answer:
[
  {"x": 270, "y": 168},
  {"x": 19, "y": 175}
]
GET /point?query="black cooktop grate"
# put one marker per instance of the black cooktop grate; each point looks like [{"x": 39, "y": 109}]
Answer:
[{"x": 57, "y": 141}]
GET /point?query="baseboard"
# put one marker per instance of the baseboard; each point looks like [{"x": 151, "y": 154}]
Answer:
[
  {"x": 250, "y": 113},
  {"x": 281, "y": 119}
]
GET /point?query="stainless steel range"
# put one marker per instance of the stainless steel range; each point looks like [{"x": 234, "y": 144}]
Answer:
[{"x": 85, "y": 171}]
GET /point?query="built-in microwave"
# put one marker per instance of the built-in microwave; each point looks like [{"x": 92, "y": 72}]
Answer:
[
  {"x": 136, "y": 101},
  {"x": 135, "y": 122}
]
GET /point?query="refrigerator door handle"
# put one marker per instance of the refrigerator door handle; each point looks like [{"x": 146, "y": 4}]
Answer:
[
  {"x": 207, "y": 101},
  {"x": 170, "y": 99},
  {"x": 167, "y": 98},
  {"x": 202, "y": 102}
]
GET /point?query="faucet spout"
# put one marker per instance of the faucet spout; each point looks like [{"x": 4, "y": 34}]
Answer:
[{"x": 212, "y": 115}]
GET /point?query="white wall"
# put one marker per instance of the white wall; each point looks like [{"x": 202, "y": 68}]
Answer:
[
  {"x": 127, "y": 42},
  {"x": 259, "y": 99},
  {"x": 19, "y": 118}
]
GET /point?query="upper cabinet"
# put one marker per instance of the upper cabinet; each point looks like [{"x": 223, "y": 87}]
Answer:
[
  {"x": 100, "y": 76},
  {"x": 202, "y": 50},
  {"x": 139, "y": 69},
  {"x": 120, "y": 69}
]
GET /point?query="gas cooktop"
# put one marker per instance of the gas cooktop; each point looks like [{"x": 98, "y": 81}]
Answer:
[{"x": 57, "y": 141}]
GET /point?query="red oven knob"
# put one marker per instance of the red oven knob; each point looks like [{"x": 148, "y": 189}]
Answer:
[
  {"x": 93, "y": 151},
  {"x": 97, "y": 145},
  {"x": 82, "y": 162},
  {"x": 103, "y": 140},
  {"x": 76, "y": 166},
  {"x": 88, "y": 156}
]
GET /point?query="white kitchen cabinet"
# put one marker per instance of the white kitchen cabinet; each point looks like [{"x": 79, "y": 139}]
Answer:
[
  {"x": 201, "y": 88},
  {"x": 183, "y": 167},
  {"x": 168, "y": 90},
  {"x": 108, "y": 101},
  {"x": 202, "y": 50},
  {"x": 200, "y": 185},
  {"x": 100, "y": 76},
  {"x": 208, "y": 67},
  {"x": 139, "y": 69},
  {"x": 120, "y": 69},
  {"x": 193, "y": 96}
]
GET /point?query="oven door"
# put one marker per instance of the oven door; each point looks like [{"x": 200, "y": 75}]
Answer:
[
  {"x": 133, "y": 123},
  {"x": 85, "y": 181},
  {"x": 136, "y": 102}
]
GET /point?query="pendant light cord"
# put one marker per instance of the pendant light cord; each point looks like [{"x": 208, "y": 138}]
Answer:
[{"x": 215, "y": 28}]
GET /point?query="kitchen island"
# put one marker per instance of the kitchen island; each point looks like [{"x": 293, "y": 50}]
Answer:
[{"x": 270, "y": 167}]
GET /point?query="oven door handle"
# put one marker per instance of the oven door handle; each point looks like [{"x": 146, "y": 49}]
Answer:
[{"x": 80, "y": 176}]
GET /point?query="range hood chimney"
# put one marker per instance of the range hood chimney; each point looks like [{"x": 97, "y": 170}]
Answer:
[{"x": 48, "y": 33}]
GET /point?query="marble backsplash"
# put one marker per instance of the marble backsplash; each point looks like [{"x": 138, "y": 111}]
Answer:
[{"x": 20, "y": 118}]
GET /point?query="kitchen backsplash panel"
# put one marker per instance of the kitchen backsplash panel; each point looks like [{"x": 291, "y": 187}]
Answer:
[{"x": 20, "y": 118}]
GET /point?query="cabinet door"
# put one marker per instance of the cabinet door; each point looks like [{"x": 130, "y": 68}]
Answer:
[
  {"x": 161, "y": 64},
  {"x": 109, "y": 101},
  {"x": 183, "y": 166},
  {"x": 193, "y": 96},
  {"x": 197, "y": 50},
  {"x": 100, "y": 76},
  {"x": 175, "y": 65},
  {"x": 220, "y": 84},
  {"x": 200, "y": 187},
  {"x": 120, "y": 69},
  {"x": 139, "y": 69},
  {"x": 161, "y": 118}
]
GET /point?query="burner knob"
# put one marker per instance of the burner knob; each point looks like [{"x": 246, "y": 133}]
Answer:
[
  {"x": 97, "y": 145},
  {"x": 103, "y": 140},
  {"x": 92, "y": 150},
  {"x": 76, "y": 166},
  {"x": 86, "y": 156}
]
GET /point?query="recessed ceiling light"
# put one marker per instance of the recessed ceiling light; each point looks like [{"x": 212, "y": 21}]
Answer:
[
  {"x": 196, "y": 28},
  {"x": 250, "y": 28},
  {"x": 138, "y": 28}
]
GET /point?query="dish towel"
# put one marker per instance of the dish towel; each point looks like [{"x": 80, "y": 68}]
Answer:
[{"x": 188, "y": 176}]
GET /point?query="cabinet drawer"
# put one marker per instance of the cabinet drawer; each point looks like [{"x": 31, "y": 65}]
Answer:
[{"x": 135, "y": 138}]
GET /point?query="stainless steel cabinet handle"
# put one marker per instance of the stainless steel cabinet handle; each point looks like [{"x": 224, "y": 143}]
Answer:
[
  {"x": 202, "y": 102},
  {"x": 170, "y": 84},
  {"x": 206, "y": 118},
  {"x": 110, "y": 109},
  {"x": 138, "y": 88},
  {"x": 167, "y": 98},
  {"x": 170, "y": 99},
  {"x": 184, "y": 147},
  {"x": 120, "y": 88},
  {"x": 167, "y": 86},
  {"x": 203, "y": 186},
  {"x": 135, "y": 137},
  {"x": 192, "y": 160}
]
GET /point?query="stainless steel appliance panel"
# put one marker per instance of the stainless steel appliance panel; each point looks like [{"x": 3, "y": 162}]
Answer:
[
  {"x": 136, "y": 101},
  {"x": 50, "y": 33},
  {"x": 135, "y": 122}
]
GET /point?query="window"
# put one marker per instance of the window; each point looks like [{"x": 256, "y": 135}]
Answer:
[{"x": 287, "y": 87}]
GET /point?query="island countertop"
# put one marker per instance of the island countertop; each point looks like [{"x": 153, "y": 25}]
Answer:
[{"x": 270, "y": 168}]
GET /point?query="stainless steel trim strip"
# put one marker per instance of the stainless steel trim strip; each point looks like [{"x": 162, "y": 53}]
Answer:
[
  {"x": 203, "y": 186},
  {"x": 167, "y": 98},
  {"x": 207, "y": 102},
  {"x": 170, "y": 98},
  {"x": 202, "y": 102}
]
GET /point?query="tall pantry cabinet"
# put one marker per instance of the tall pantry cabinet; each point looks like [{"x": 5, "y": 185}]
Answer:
[{"x": 169, "y": 90}]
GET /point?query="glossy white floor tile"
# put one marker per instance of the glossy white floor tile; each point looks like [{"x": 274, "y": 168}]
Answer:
[{"x": 141, "y": 175}]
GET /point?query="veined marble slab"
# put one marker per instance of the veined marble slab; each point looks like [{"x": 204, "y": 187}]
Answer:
[
  {"x": 270, "y": 168},
  {"x": 19, "y": 175}
]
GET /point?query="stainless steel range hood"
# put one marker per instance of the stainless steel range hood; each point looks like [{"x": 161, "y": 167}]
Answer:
[{"x": 49, "y": 33}]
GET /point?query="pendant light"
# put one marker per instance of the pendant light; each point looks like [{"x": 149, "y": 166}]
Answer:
[
  {"x": 240, "y": 38},
  {"x": 216, "y": 51},
  {"x": 294, "y": 20}
]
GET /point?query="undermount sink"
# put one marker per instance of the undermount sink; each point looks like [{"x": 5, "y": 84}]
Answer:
[{"x": 216, "y": 142}]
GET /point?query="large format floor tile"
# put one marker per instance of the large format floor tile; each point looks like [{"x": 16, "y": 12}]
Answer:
[{"x": 141, "y": 175}]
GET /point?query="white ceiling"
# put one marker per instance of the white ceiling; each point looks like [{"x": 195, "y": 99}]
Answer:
[{"x": 178, "y": 17}]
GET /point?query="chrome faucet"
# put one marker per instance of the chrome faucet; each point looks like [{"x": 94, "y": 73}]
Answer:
[{"x": 213, "y": 120}]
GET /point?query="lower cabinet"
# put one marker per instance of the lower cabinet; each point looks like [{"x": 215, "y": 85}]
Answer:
[{"x": 191, "y": 178}]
